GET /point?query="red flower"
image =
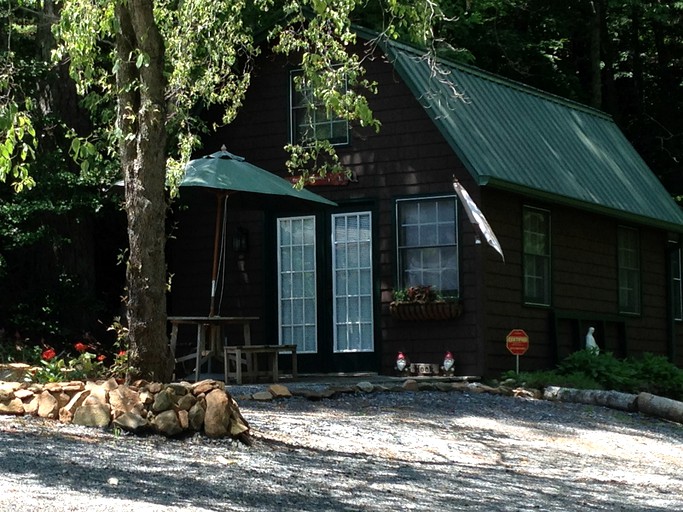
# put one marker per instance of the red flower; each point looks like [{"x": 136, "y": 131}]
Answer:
[
  {"x": 48, "y": 353},
  {"x": 81, "y": 347},
  {"x": 101, "y": 357},
  {"x": 122, "y": 353}
]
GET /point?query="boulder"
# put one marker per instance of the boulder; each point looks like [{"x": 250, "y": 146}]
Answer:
[
  {"x": 411, "y": 385},
  {"x": 23, "y": 394},
  {"x": 98, "y": 395},
  {"x": 123, "y": 400},
  {"x": 183, "y": 419},
  {"x": 178, "y": 388},
  {"x": 66, "y": 413},
  {"x": 196, "y": 416},
  {"x": 365, "y": 387},
  {"x": 217, "y": 415},
  {"x": 97, "y": 415},
  {"x": 167, "y": 423},
  {"x": 48, "y": 407},
  {"x": 163, "y": 401},
  {"x": 31, "y": 404},
  {"x": 12, "y": 406},
  {"x": 279, "y": 391},
  {"x": 186, "y": 402},
  {"x": 206, "y": 386},
  {"x": 132, "y": 422}
]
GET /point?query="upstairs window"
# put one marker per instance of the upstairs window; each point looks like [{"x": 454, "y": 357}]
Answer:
[
  {"x": 628, "y": 262},
  {"x": 536, "y": 258},
  {"x": 310, "y": 120},
  {"x": 427, "y": 243}
]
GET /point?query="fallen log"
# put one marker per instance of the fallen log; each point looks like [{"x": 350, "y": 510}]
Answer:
[
  {"x": 612, "y": 399},
  {"x": 660, "y": 407}
]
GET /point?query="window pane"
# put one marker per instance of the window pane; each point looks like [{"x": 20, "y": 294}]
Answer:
[
  {"x": 536, "y": 249},
  {"x": 352, "y": 286},
  {"x": 297, "y": 280},
  {"x": 427, "y": 238},
  {"x": 628, "y": 255}
]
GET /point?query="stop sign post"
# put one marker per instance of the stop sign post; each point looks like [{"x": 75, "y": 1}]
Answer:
[{"x": 517, "y": 342}]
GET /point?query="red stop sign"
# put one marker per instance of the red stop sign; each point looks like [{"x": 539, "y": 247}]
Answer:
[{"x": 517, "y": 342}]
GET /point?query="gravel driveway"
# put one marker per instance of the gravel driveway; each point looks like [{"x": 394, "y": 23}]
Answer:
[{"x": 386, "y": 451}]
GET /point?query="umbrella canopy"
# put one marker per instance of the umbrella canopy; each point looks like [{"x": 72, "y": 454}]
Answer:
[
  {"x": 224, "y": 171},
  {"x": 225, "y": 174}
]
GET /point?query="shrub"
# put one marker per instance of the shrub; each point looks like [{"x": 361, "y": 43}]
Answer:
[
  {"x": 587, "y": 370},
  {"x": 657, "y": 375}
]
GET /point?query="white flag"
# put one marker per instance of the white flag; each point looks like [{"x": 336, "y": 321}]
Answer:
[{"x": 477, "y": 218}]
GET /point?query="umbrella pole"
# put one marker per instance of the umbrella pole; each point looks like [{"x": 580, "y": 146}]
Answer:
[{"x": 216, "y": 244}]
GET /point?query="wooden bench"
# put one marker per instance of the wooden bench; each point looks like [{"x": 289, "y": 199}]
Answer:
[{"x": 235, "y": 357}]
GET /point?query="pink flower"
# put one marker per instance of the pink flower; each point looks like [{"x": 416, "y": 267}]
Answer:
[{"x": 101, "y": 357}]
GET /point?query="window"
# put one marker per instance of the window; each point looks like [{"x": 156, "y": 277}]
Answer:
[
  {"x": 352, "y": 282},
  {"x": 536, "y": 259},
  {"x": 297, "y": 296},
  {"x": 628, "y": 262},
  {"x": 676, "y": 284},
  {"x": 310, "y": 121},
  {"x": 427, "y": 243}
]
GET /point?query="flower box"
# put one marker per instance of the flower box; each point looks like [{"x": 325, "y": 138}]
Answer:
[{"x": 418, "y": 311}]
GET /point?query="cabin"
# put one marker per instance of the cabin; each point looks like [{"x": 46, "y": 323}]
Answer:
[{"x": 590, "y": 237}]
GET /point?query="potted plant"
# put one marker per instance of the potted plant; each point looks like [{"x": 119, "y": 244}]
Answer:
[{"x": 424, "y": 303}]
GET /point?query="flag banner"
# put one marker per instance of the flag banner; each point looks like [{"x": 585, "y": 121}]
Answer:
[{"x": 477, "y": 217}]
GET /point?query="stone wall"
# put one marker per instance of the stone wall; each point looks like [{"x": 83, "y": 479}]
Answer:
[{"x": 172, "y": 409}]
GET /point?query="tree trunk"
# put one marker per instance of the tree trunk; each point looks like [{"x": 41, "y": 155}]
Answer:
[
  {"x": 141, "y": 118},
  {"x": 594, "y": 54}
]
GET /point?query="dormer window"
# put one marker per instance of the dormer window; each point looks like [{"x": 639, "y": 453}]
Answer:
[{"x": 310, "y": 120}]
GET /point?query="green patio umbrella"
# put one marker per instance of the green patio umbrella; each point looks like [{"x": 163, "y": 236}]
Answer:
[{"x": 227, "y": 174}]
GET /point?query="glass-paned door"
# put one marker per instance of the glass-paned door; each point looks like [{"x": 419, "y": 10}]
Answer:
[
  {"x": 297, "y": 298},
  {"x": 352, "y": 282}
]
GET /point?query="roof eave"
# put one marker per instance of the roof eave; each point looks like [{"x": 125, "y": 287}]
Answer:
[{"x": 541, "y": 195}]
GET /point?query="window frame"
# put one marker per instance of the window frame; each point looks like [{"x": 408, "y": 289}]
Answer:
[
  {"x": 313, "y": 125},
  {"x": 676, "y": 270},
  {"x": 528, "y": 299},
  {"x": 400, "y": 271},
  {"x": 313, "y": 325},
  {"x": 634, "y": 285}
]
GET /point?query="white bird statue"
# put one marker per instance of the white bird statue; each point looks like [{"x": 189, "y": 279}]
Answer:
[{"x": 590, "y": 341}]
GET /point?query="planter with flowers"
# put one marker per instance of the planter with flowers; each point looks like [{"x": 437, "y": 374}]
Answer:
[{"x": 419, "y": 303}]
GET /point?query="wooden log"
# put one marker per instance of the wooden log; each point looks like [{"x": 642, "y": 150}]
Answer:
[
  {"x": 660, "y": 407},
  {"x": 612, "y": 399}
]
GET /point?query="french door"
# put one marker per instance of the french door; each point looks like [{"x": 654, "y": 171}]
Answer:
[
  {"x": 352, "y": 282},
  {"x": 325, "y": 288}
]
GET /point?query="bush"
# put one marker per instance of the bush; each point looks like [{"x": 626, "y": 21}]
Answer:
[
  {"x": 604, "y": 368},
  {"x": 657, "y": 375},
  {"x": 587, "y": 370}
]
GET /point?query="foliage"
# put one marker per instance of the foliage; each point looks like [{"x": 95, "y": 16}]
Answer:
[
  {"x": 587, "y": 370},
  {"x": 422, "y": 294},
  {"x": 84, "y": 364},
  {"x": 120, "y": 367}
]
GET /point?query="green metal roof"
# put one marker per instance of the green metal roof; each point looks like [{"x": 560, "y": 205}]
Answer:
[{"x": 517, "y": 138}]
